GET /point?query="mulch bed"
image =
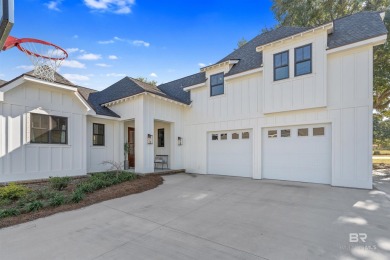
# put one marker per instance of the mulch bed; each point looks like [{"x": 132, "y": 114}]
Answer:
[{"x": 139, "y": 185}]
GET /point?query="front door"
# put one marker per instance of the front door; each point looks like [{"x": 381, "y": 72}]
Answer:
[{"x": 131, "y": 139}]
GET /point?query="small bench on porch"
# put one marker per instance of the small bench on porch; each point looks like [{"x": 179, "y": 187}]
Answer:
[{"x": 161, "y": 159}]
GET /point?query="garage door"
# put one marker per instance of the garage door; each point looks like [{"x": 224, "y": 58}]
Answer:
[
  {"x": 299, "y": 153},
  {"x": 230, "y": 153}
]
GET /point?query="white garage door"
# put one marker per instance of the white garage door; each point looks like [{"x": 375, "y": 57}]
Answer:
[
  {"x": 299, "y": 153},
  {"x": 230, "y": 153}
]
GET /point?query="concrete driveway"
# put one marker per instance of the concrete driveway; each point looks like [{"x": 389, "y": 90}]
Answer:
[{"x": 214, "y": 217}]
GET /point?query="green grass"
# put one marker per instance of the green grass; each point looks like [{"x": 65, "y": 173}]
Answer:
[{"x": 382, "y": 160}]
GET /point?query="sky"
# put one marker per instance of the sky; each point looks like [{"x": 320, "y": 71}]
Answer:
[{"x": 109, "y": 39}]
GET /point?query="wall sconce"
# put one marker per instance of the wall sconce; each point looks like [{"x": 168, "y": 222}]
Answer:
[
  {"x": 150, "y": 139},
  {"x": 180, "y": 140}
]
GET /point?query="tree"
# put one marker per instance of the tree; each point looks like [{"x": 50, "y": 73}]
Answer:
[
  {"x": 381, "y": 131},
  {"x": 145, "y": 80},
  {"x": 241, "y": 43},
  {"x": 307, "y": 13}
]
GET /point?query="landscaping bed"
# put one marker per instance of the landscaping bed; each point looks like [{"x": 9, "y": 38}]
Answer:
[{"x": 22, "y": 203}]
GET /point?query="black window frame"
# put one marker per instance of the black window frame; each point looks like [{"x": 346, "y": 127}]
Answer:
[
  {"x": 98, "y": 134},
  {"x": 216, "y": 85},
  {"x": 50, "y": 129},
  {"x": 161, "y": 137},
  {"x": 304, "y": 60},
  {"x": 282, "y": 66}
]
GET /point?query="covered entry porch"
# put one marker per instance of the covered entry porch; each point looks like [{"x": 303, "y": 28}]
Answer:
[{"x": 154, "y": 150}]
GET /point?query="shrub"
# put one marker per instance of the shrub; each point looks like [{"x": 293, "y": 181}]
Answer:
[
  {"x": 9, "y": 212},
  {"x": 34, "y": 205},
  {"x": 59, "y": 183},
  {"x": 13, "y": 191},
  {"x": 377, "y": 153},
  {"x": 5, "y": 202},
  {"x": 57, "y": 199},
  {"x": 42, "y": 194},
  {"x": 86, "y": 187},
  {"x": 77, "y": 196}
]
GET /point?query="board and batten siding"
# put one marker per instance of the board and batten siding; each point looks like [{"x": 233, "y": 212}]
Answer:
[
  {"x": 112, "y": 149},
  {"x": 295, "y": 93},
  {"x": 21, "y": 160},
  {"x": 348, "y": 109}
]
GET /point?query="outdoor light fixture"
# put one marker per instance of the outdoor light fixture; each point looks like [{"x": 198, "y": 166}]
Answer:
[
  {"x": 150, "y": 139},
  {"x": 180, "y": 140}
]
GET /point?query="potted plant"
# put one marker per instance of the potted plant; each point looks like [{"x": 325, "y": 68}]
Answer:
[{"x": 126, "y": 152}]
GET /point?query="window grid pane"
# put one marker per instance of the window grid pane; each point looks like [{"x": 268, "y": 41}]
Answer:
[
  {"x": 281, "y": 67},
  {"x": 98, "y": 134},
  {"x": 47, "y": 129},
  {"x": 303, "y": 63},
  {"x": 217, "y": 84}
]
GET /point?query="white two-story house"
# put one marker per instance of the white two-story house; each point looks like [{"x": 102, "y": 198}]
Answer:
[{"x": 292, "y": 104}]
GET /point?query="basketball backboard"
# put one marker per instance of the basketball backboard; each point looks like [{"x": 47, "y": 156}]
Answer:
[{"x": 6, "y": 19}]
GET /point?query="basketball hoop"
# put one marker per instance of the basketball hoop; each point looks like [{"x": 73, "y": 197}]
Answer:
[{"x": 45, "y": 56}]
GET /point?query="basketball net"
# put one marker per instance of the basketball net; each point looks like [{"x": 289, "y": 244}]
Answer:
[{"x": 45, "y": 58}]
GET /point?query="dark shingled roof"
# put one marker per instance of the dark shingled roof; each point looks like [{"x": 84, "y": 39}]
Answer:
[
  {"x": 125, "y": 87},
  {"x": 248, "y": 57},
  {"x": 357, "y": 27},
  {"x": 92, "y": 97},
  {"x": 58, "y": 78},
  {"x": 349, "y": 29},
  {"x": 175, "y": 88}
]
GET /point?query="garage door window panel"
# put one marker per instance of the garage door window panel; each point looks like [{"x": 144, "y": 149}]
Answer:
[
  {"x": 235, "y": 136},
  {"x": 245, "y": 135},
  {"x": 303, "y": 132},
  {"x": 272, "y": 133},
  {"x": 285, "y": 133},
  {"x": 223, "y": 136},
  {"x": 318, "y": 131},
  {"x": 214, "y": 137}
]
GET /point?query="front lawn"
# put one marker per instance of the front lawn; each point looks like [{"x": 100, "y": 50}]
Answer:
[{"x": 21, "y": 203}]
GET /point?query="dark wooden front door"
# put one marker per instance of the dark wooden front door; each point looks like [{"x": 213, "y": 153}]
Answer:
[{"x": 131, "y": 139}]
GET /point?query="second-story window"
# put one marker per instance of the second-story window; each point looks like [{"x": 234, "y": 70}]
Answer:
[
  {"x": 303, "y": 60},
  {"x": 216, "y": 84},
  {"x": 281, "y": 66}
]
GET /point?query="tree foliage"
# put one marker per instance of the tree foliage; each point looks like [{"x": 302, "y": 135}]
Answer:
[
  {"x": 308, "y": 13},
  {"x": 145, "y": 80},
  {"x": 241, "y": 43},
  {"x": 381, "y": 131}
]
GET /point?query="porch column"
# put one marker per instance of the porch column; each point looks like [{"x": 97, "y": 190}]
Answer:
[{"x": 144, "y": 152}]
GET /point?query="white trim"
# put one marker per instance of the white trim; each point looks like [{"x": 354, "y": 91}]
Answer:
[
  {"x": 373, "y": 41},
  {"x": 10, "y": 86},
  {"x": 228, "y": 62},
  {"x": 322, "y": 27},
  {"x": 106, "y": 117},
  {"x": 195, "y": 86},
  {"x": 21, "y": 80},
  {"x": 382, "y": 14},
  {"x": 245, "y": 73},
  {"x": 114, "y": 102},
  {"x": 90, "y": 111},
  {"x": 53, "y": 84}
]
